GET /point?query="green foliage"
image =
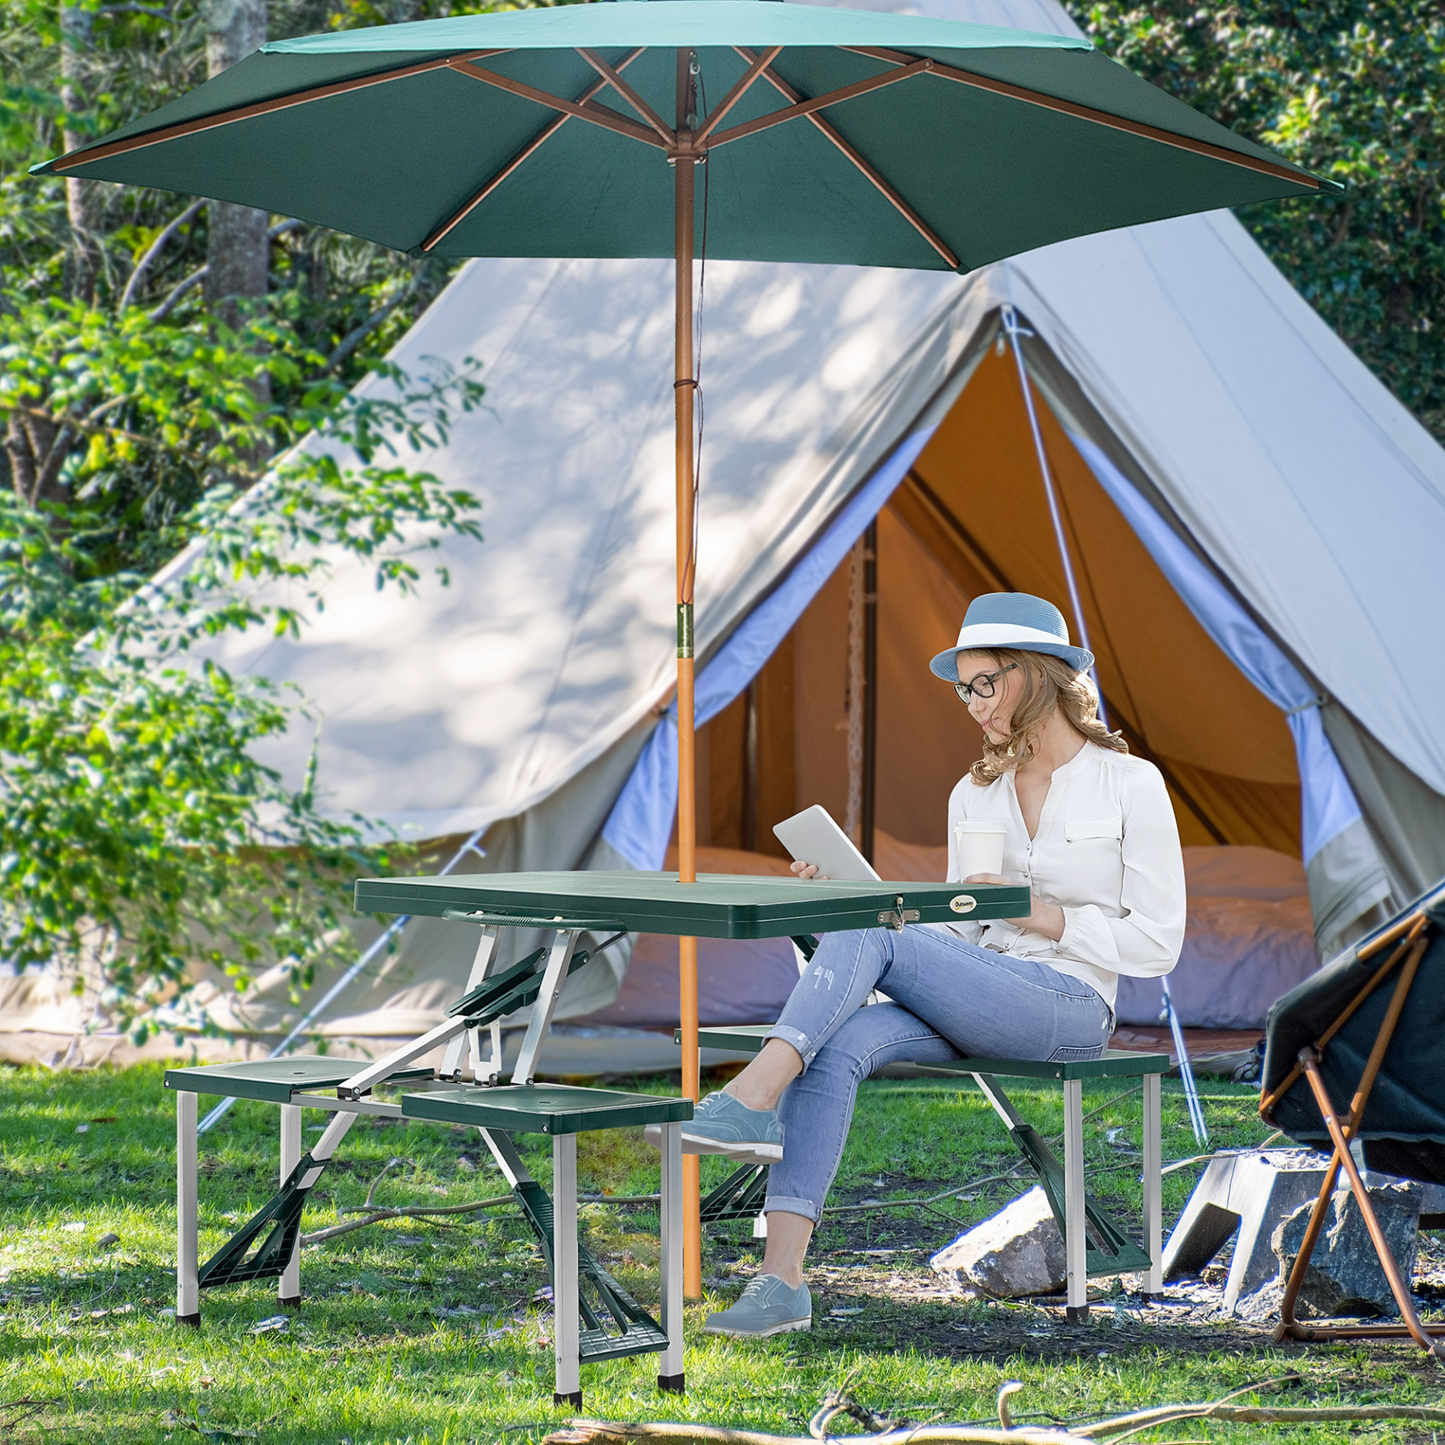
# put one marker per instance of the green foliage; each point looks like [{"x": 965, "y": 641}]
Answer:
[
  {"x": 140, "y": 837},
  {"x": 1353, "y": 89}
]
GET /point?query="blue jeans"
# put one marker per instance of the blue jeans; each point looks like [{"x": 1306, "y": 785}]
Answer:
[{"x": 953, "y": 1000}]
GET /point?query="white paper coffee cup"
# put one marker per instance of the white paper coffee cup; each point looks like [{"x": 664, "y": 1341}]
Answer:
[{"x": 979, "y": 847}]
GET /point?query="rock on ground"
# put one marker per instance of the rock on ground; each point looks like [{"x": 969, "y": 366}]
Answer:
[
  {"x": 1018, "y": 1252},
  {"x": 1345, "y": 1276}
]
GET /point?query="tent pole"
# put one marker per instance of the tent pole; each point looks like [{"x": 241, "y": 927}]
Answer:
[
  {"x": 1011, "y": 327},
  {"x": 684, "y": 387}
]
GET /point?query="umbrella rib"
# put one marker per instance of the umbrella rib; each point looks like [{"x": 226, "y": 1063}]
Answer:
[
  {"x": 613, "y": 79},
  {"x": 533, "y": 145},
  {"x": 1098, "y": 117},
  {"x": 852, "y": 153},
  {"x": 740, "y": 88},
  {"x": 262, "y": 107},
  {"x": 819, "y": 102},
  {"x": 600, "y": 115}
]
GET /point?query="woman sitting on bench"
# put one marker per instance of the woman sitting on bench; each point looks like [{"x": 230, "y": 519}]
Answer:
[{"x": 1090, "y": 829}]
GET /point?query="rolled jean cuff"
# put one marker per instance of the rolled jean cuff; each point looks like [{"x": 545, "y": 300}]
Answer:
[
  {"x": 783, "y": 1204},
  {"x": 800, "y": 1041}
]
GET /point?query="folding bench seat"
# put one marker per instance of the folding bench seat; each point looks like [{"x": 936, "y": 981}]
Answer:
[{"x": 1093, "y": 1243}]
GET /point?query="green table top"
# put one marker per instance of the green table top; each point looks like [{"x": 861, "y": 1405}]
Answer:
[
  {"x": 545, "y": 1108},
  {"x": 1116, "y": 1063},
  {"x": 718, "y": 905},
  {"x": 275, "y": 1080}
]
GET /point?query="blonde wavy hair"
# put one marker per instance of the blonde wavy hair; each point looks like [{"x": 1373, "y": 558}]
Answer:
[{"x": 1048, "y": 683}]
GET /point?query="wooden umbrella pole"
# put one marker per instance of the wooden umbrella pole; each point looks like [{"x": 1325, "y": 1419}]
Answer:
[{"x": 683, "y": 392}]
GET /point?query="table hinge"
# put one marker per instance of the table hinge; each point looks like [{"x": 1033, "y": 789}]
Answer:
[{"x": 898, "y": 915}]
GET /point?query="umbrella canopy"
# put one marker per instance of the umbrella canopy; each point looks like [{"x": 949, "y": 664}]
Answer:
[
  {"x": 826, "y": 135},
  {"x": 869, "y": 139}
]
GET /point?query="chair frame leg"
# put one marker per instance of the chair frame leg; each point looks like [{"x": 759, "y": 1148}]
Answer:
[
  {"x": 567, "y": 1389},
  {"x": 188, "y": 1287},
  {"x": 1341, "y": 1133},
  {"x": 1076, "y": 1240},
  {"x": 288, "y": 1287},
  {"x": 1399, "y": 1286},
  {"x": 670, "y": 1376}
]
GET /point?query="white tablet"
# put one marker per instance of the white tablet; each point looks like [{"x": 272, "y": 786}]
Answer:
[{"x": 812, "y": 836}]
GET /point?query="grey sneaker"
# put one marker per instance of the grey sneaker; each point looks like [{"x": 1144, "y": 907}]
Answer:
[
  {"x": 767, "y": 1307},
  {"x": 722, "y": 1125}
]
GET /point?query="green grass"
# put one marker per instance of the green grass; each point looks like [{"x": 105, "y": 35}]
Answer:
[{"x": 385, "y": 1350}]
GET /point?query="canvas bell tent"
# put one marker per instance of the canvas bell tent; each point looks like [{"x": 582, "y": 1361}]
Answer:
[{"x": 1252, "y": 521}]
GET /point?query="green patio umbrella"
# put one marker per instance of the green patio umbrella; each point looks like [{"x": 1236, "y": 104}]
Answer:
[{"x": 829, "y": 135}]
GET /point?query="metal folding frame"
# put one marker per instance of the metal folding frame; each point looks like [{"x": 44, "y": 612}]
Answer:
[
  {"x": 1411, "y": 942},
  {"x": 268, "y": 1245},
  {"x": 579, "y": 1333},
  {"x": 1094, "y": 1244}
]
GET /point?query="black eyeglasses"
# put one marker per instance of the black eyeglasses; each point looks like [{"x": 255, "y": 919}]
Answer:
[{"x": 984, "y": 685}]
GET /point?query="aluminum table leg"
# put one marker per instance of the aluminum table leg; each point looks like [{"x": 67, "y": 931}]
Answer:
[
  {"x": 565, "y": 1306},
  {"x": 670, "y": 1376},
  {"x": 188, "y": 1289},
  {"x": 1076, "y": 1240},
  {"x": 1153, "y": 1282},
  {"x": 288, "y": 1287}
]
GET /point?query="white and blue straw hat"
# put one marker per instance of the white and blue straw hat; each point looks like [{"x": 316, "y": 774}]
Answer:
[{"x": 1014, "y": 620}]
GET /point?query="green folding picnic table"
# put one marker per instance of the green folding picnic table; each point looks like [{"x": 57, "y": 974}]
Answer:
[
  {"x": 718, "y": 905},
  {"x": 602, "y": 1321}
]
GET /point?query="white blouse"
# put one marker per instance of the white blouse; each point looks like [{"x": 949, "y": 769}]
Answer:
[{"x": 1107, "y": 852}]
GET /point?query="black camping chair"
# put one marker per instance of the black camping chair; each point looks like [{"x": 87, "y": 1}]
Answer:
[{"x": 1368, "y": 1028}]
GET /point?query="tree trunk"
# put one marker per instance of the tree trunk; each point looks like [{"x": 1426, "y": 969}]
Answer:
[
  {"x": 37, "y": 448},
  {"x": 82, "y": 198},
  {"x": 239, "y": 251}
]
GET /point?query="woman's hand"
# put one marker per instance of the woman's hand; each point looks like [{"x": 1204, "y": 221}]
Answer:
[
  {"x": 807, "y": 870},
  {"x": 1045, "y": 918}
]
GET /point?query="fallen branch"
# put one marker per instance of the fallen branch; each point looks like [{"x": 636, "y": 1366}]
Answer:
[
  {"x": 1012, "y": 1174},
  {"x": 418, "y": 1211},
  {"x": 606, "y": 1432},
  {"x": 1220, "y": 1154},
  {"x": 897, "y": 1432},
  {"x": 1257, "y": 1415},
  {"x": 840, "y": 1402}
]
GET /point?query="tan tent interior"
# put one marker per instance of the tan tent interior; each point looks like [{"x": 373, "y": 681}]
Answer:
[{"x": 973, "y": 517}]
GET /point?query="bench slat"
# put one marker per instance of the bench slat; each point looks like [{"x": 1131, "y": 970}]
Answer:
[{"x": 1116, "y": 1063}]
